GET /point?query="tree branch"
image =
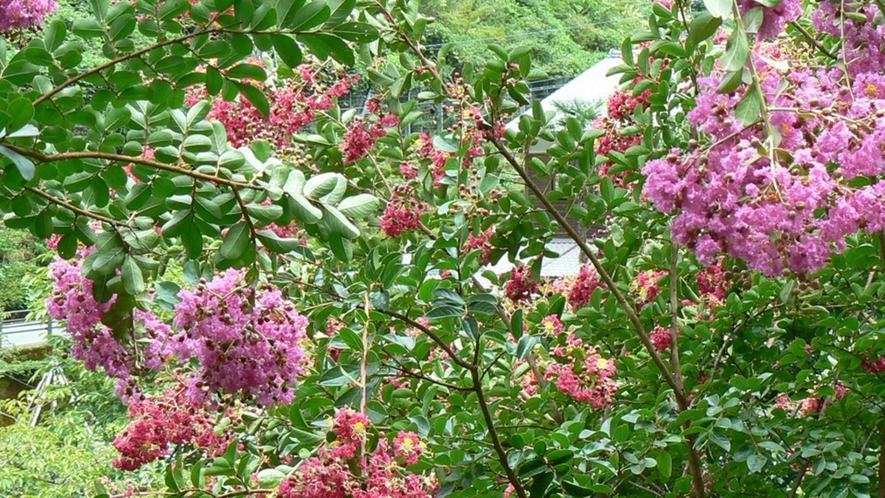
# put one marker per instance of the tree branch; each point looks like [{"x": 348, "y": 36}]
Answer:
[
  {"x": 603, "y": 274},
  {"x": 120, "y": 158},
  {"x": 89, "y": 214}
]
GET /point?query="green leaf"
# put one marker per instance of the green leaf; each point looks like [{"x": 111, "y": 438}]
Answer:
[
  {"x": 214, "y": 80},
  {"x": 665, "y": 464},
  {"x": 133, "y": 280},
  {"x": 321, "y": 184},
  {"x": 246, "y": 71},
  {"x": 20, "y": 111},
  {"x": 341, "y": 248},
  {"x": 324, "y": 45},
  {"x": 341, "y": 9},
  {"x": 307, "y": 17},
  {"x": 88, "y": 28},
  {"x": 287, "y": 10},
  {"x": 749, "y": 108},
  {"x": 287, "y": 49},
  {"x": 737, "y": 51},
  {"x": 359, "y": 206},
  {"x": 266, "y": 214},
  {"x": 270, "y": 478},
  {"x": 255, "y": 96},
  {"x": 24, "y": 165},
  {"x": 356, "y": 31},
  {"x": 236, "y": 242},
  {"x": 339, "y": 224},
  {"x": 721, "y": 441},
  {"x": 719, "y": 8},
  {"x": 702, "y": 27},
  {"x": 304, "y": 211},
  {"x": 525, "y": 346},
  {"x": 755, "y": 463}
]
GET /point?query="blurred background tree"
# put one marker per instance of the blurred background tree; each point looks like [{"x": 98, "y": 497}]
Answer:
[{"x": 565, "y": 36}]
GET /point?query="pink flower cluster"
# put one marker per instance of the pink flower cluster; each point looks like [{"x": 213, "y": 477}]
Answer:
[
  {"x": 582, "y": 289},
  {"x": 333, "y": 474},
  {"x": 551, "y": 325},
  {"x": 621, "y": 105},
  {"x": 810, "y": 405},
  {"x": 661, "y": 338},
  {"x": 349, "y": 427},
  {"x": 437, "y": 159},
  {"x": 95, "y": 344},
  {"x": 247, "y": 340},
  {"x": 582, "y": 373},
  {"x": 645, "y": 287},
  {"x": 403, "y": 213},
  {"x": 778, "y": 194},
  {"x": 24, "y": 14},
  {"x": 160, "y": 421},
  {"x": 521, "y": 285},
  {"x": 773, "y": 18},
  {"x": 874, "y": 366}
]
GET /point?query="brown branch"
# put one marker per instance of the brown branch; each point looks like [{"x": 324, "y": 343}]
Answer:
[
  {"x": 603, "y": 273},
  {"x": 118, "y": 60},
  {"x": 107, "y": 156},
  {"x": 493, "y": 433},
  {"x": 694, "y": 460},
  {"x": 813, "y": 40},
  {"x": 430, "y": 333},
  {"x": 89, "y": 214}
]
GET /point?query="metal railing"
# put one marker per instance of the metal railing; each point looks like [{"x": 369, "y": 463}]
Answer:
[{"x": 17, "y": 330}]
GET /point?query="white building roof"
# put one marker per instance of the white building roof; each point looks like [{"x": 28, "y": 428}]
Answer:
[{"x": 590, "y": 86}]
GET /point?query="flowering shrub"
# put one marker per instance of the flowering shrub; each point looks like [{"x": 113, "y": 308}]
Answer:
[{"x": 297, "y": 298}]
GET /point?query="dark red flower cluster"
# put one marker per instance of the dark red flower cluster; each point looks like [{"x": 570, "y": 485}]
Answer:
[
  {"x": 874, "y": 366},
  {"x": 381, "y": 473},
  {"x": 159, "y": 421},
  {"x": 293, "y": 104},
  {"x": 361, "y": 136},
  {"x": 712, "y": 284},
  {"x": 483, "y": 242},
  {"x": 622, "y": 105},
  {"x": 403, "y": 213},
  {"x": 661, "y": 338},
  {"x": 521, "y": 285},
  {"x": 645, "y": 288},
  {"x": 583, "y": 287},
  {"x": 583, "y": 373}
]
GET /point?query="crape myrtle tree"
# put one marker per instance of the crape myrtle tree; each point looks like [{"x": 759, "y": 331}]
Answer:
[{"x": 292, "y": 295}]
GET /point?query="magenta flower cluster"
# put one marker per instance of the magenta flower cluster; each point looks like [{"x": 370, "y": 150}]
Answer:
[
  {"x": 24, "y": 14},
  {"x": 779, "y": 193},
  {"x": 583, "y": 287},
  {"x": 773, "y": 18},
  {"x": 96, "y": 345},
  {"x": 247, "y": 340}
]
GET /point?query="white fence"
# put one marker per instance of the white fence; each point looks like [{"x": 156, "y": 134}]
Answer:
[{"x": 16, "y": 330}]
